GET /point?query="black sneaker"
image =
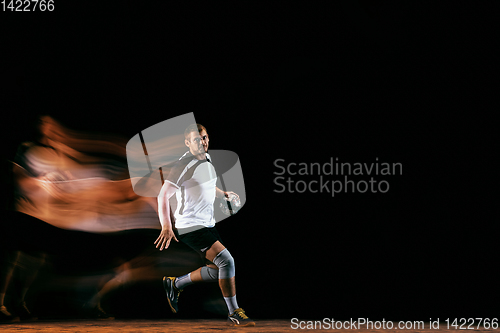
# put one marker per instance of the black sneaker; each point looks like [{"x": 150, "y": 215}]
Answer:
[
  {"x": 239, "y": 318},
  {"x": 6, "y": 316},
  {"x": 172, "y": 292}
]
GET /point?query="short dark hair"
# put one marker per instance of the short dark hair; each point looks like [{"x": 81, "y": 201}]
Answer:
[{"x": 193, "y": 128}]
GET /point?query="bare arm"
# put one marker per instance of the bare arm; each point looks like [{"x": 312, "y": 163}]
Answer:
[
  {"x": 221, "y": 194},
  {"x": 167, "y": 232}
]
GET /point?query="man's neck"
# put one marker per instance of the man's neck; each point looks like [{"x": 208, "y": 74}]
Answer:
[{"x": 202, "y": 156}]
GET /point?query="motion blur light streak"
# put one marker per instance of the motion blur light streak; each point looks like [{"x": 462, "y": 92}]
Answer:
[{"x": 74, "y": 180}]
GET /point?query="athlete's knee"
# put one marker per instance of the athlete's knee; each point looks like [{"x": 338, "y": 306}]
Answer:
[
  {"x": 209, "y": 273},
  {"x": 225, "y": 262}
]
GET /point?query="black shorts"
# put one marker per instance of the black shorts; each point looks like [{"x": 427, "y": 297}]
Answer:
[{"x": 200, "y": 240}]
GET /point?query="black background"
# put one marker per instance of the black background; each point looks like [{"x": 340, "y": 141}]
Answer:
[{"x": 414, "y": 83}]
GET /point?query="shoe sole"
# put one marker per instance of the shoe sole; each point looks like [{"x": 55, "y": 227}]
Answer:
[{"x": 168, "y": 298}]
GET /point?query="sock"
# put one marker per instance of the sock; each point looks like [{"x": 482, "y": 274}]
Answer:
[
  {"x": 183, "y": 281},
  {"x": 231, "y": 303}
]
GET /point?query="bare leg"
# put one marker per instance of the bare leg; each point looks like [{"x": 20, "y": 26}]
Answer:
[
  {"x": 7, "y": 271},
  {"x": 11, "y": 259},
  {"x": 36, "y": 261},
  {"x": 228, "y": 286},
  {"x": 173, "y": 286},
  {"x": 122, "y": 274}
]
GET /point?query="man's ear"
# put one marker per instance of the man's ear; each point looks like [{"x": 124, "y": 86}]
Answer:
[{"x": 186, "y": 142}]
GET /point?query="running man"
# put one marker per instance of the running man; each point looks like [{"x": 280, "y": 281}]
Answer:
[{"x": 193, "y": 181}]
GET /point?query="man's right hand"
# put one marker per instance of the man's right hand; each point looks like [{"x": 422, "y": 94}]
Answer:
[{"x": 163, "y": 241}]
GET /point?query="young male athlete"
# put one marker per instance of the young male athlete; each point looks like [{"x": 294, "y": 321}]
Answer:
[{"x": 193, "y": 181}]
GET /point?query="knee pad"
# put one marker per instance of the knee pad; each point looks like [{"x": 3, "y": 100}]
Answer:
[
  {"x": 208, "y": 273},
  {"x": 225, "y": 262}
]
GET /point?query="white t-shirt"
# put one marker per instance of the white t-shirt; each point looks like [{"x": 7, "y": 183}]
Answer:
[{"x": 196, "y": 182}]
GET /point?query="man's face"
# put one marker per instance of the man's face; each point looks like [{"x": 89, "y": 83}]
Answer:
[{"x": 197, "y": 142}]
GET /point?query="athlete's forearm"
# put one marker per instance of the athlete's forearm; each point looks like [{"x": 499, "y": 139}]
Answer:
[
  {"x": 219, "y": 193},
  {"x": 164, "y": 206},
  {"x": 164, "y": 213}
]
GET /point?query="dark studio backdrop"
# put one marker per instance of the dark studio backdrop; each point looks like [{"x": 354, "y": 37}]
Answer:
[{"x": 409, "y": 83}]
